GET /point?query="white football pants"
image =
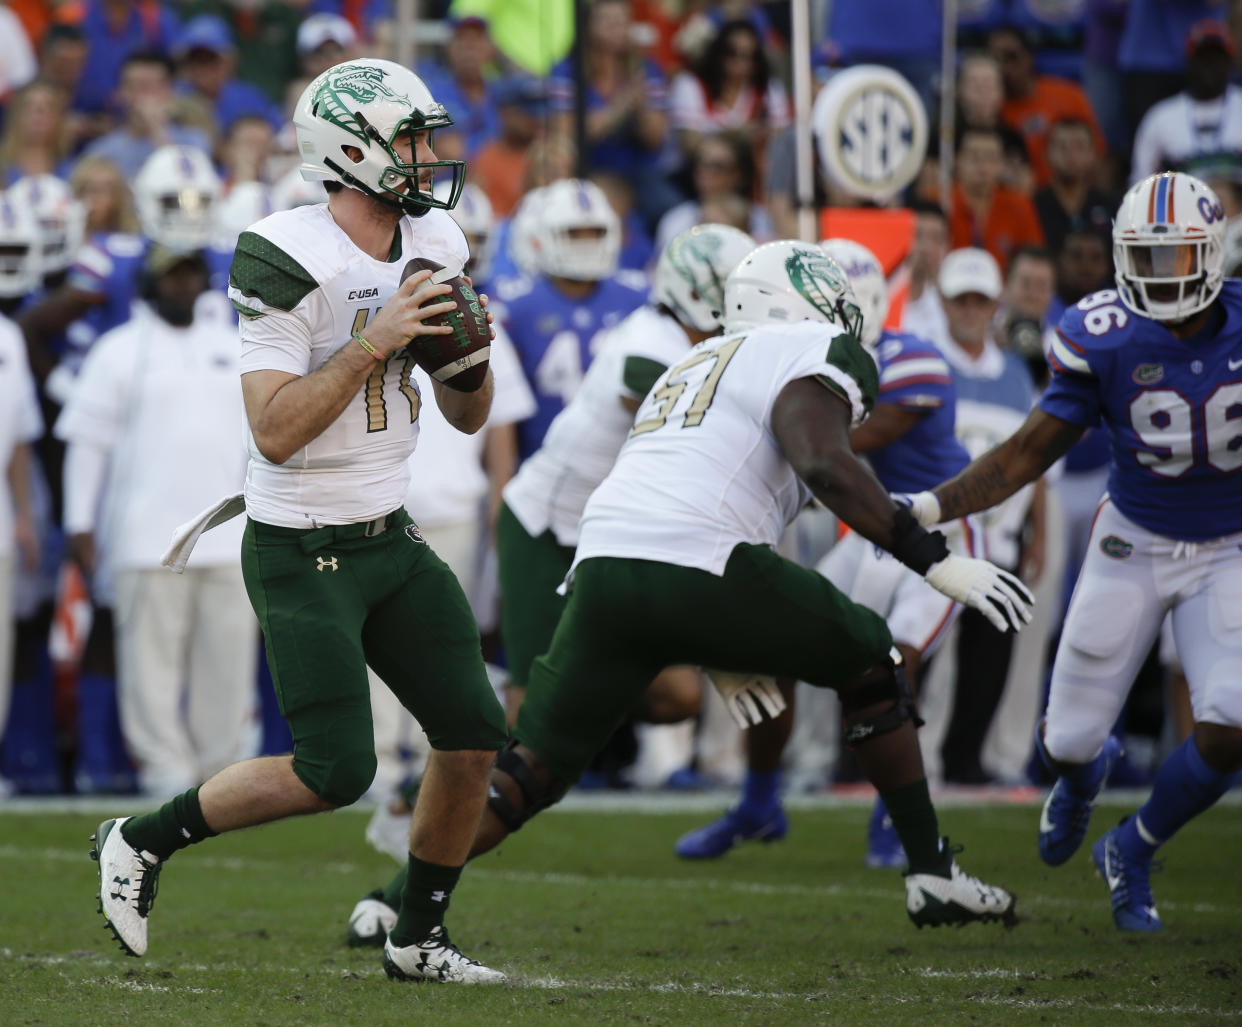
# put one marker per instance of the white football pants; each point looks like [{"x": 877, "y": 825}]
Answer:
[
  {"x": 187, "y": 648},
  {"x": 1130, "y": 579}
]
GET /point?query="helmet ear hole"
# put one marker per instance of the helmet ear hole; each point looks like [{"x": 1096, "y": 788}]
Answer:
[{"x": 352, "y": 154}]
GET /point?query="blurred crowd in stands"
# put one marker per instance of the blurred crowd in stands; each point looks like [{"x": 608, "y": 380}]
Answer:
[{"x": 1059, "y": 105}]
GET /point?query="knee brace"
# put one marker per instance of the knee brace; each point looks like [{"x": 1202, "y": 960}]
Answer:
[
  {"x": 340, "y": 778},
  {"x": 884, "y": 682},
  {"x": 536, "y": 795}
]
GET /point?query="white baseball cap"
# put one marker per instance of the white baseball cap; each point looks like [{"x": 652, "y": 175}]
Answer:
[
  {"x": 325, "y": 28},
  {"x": 969, "y": 270}
]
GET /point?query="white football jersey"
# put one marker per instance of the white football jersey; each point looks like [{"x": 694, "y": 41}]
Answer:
[
  {"x": 701, "y": 470},
  {"x": 302, "y": 289},
  {"x": 552, "y": 487},
  {"x": 165, "y": 405},
  {"x": 20, "y": 420}
]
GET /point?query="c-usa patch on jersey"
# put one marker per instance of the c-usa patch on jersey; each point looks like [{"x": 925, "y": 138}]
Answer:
[{"x": 414, "y": 535}]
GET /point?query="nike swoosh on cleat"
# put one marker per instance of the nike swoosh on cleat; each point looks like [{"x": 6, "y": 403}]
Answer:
[
  {"x": 1046, "y": 826},
  {"x": 1114, "y": 880},
  {"x": 1235, "y": 364}
]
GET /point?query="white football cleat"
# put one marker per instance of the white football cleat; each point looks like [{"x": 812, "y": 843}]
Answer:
[
  {"x": 932, "y": 900},
  {"x": 128, "y": 880},
  {"x": 370, "y": 922},
  {"x": 436, "y": 959}
]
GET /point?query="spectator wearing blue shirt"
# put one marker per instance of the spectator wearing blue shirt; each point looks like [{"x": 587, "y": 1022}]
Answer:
[
  {"x": 461, "y": 84},
  {"x": 115, "y": 29},
  {"x": 146, "y": 95},
  {"x": 627, "y": 107},
  {"x": 206, "y": 57}
]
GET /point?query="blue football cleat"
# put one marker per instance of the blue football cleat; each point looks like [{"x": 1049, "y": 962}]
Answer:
[
  {"x": 883, "y": 846},
  {"x": 1066, "y": 813},
  {"x": 1129, "y": 885},
  {"x": 737, "y": 825}
]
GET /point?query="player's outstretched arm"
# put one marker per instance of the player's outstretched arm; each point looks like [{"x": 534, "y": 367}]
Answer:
[
  {"x": 465, "y": 411},
  {"x": 812, "y": 426},
  {"x": 999, "y": 473}
]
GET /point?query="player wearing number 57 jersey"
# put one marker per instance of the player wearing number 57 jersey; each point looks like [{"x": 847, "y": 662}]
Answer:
[
  {"x": 338, "y": 574},
  {"x": 1159, "y": 362},
  {"x": 676, "y": 562}
]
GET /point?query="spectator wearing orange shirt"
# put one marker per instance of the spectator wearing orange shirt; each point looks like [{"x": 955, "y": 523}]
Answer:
[
  {"x": 1034, "y": 103},
  {"x": 985, "y": 213}
]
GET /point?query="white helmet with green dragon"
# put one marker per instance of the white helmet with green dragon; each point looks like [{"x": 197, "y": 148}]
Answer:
[
  {"x": 366, "y": 104},
  {"x": 785, "y": 282},
  {"x": 691, "y": 272}
]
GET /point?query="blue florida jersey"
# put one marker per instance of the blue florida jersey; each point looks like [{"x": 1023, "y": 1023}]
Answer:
[
  {"x": 556, "y": 337},
  {"x": 915, "y": 376},
  {"x": 108, "y": 269},
  {"x": 1172, "y": 409}
]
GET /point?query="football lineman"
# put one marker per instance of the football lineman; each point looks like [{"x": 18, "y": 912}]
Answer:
[
  {"x": 337, "y": 572},
  {"x": 1158, "y": 361},
  {"x": 558, "y": 317},
  {"x": 537, "y": 527},
  {"x": 676, "y": 563},
  {"x": 909, "y": 441}
]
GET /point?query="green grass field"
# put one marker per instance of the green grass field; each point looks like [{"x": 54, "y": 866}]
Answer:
[{"x": 597, "y": 923}]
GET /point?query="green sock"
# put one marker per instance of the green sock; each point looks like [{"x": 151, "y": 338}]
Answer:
[
  {"x": 424, "y": 901},
  {"x": 914, "y": 818},
  {"x": 390, "y": 894},
  {"x": 176, "y": 824}
]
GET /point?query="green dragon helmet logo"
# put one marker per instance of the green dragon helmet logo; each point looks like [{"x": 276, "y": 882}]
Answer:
[
  {"x": 362, "y": 83},
  {"x": 695, "y": 258},
  {"x": 818, "y": 280}
]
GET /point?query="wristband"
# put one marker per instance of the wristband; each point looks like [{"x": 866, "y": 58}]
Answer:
[
  {"x": 914, "y": 545},
  {"x": 367, "y": 346}
]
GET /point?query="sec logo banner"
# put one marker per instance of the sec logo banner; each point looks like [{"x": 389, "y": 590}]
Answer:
[{"x": 871, "y": 131}]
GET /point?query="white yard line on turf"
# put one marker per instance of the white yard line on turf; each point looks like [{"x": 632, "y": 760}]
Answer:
[{"x": 654, "y": 987}]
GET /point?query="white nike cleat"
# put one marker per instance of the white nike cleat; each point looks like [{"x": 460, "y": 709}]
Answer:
[
  {"x": 128, "y": 880},
  {"x": 389, "y": 833},
  {"x": 370, "y": 922},
  {"x": 932, "y": 900},
  {"x": 436, "y": 959}
]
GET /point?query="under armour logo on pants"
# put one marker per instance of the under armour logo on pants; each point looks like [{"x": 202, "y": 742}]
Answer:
[{"x": 326, "y": 565}]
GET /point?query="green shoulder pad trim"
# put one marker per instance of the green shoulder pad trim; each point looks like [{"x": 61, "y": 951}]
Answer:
[
  {"x": 640, "y": 374},
  {"x": 262, "y": 269},
  {"x": 847, "y": 353}
]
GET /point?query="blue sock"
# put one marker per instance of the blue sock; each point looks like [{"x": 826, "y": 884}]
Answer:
[
  {"x": 878, "y": 814},
  {"x": 760, "y": 792},
  {"x": 1083, "y": 778},
  {"x": 1185, "y": 786}
]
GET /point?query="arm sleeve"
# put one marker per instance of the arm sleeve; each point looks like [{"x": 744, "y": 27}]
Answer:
[
  {"x": 86, "y": 466},
  {"x": 96, "y": 410}
]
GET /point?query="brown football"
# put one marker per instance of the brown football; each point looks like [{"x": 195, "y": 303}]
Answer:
[{"x": 458, "y": 359}]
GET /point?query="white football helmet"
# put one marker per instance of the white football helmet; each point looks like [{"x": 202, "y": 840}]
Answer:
[
  {"x": 366, "y": 103},
  {"x": 571, "y": 206},
  {"x": 474, "y": 217},
  {"x": 246, "y": 203},
  {"x": 1168, "y": 246},
  {"x": 522, "y": 231},
  {"x": 292, "y": 190},
  {"x": 866, "y": 276},
  {"x": 20, "y": 245},
  {"x": 691, "y": 272},
  {"x": 61, "y": 218},
  {"x": 787, "y": 281},
  {"x": 176, "y": 193}
]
